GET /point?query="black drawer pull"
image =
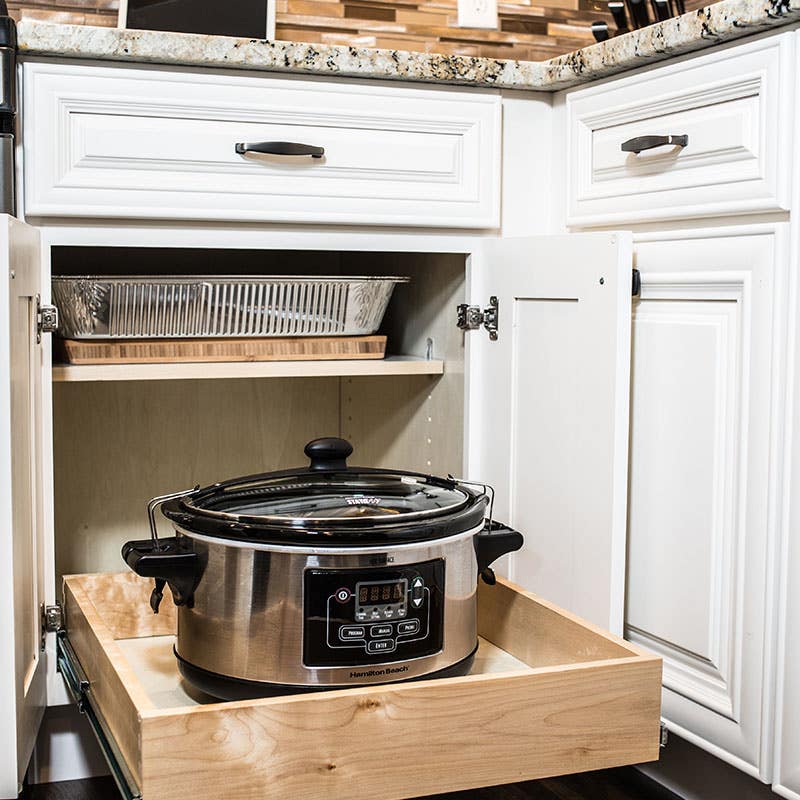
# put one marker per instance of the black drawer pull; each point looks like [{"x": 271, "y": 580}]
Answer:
[
  {"x": 639, "y": 143},
  {"x": 280, "y": 149}
]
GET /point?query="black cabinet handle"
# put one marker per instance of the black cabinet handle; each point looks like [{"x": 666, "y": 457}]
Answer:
[
  {"x": 280, "y": 149},
  {"x": 639, "y": 143}
]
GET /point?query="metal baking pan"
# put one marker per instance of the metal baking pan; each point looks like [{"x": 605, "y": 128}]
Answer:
[{"x": 168, "y": 307}]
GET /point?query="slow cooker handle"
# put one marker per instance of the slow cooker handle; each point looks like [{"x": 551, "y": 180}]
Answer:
[
  {"x": 328, "y": 454},
  {"x": 493, "y": 541},
  {"x": 169, "y": 563}
]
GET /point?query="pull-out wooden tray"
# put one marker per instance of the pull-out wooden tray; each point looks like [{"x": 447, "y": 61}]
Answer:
[{"x": 549, "y": 695}]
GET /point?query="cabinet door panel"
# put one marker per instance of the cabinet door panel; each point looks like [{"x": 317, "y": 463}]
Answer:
[
  {"x": 547, "y": 411},
  {"x": 22, "y": 676},
  {"x": 699, "y": 480}
]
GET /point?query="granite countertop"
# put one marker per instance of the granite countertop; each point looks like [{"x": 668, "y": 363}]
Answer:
[{"x": 714, "y": 24}]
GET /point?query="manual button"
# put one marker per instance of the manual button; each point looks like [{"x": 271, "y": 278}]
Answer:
[
  {"x": 381, "y": 646},
  {"x": 410, "y": 626},
  {"x": 347, "y": 632},
  {"x": 380, "y": 630}
]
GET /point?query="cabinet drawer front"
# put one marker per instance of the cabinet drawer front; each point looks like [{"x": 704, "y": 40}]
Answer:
[
  {"x": 148, "y": 143},
  {"x": 548, "y": 695},
  {"x": 726, "y": 104}
]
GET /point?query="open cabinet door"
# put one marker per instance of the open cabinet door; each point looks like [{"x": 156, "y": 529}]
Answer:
[
  {"x": 22, "y": 669},
  {"x": 547, "y": 411}
]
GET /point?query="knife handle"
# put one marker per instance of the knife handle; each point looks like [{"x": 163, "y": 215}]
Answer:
[
  {"x": 617, "y": 9},
  {"x": 600, "y": 31}
]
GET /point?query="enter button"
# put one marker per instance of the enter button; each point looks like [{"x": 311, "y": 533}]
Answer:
[
  {"x": 381, "y": 646},
  {"x": 410, "y": 626}
]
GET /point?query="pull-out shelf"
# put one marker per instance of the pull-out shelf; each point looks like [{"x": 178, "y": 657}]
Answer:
[{"x": 549, "y": 694}]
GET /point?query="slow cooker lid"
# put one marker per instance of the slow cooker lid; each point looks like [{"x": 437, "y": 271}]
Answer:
[
  {"x": 328, "y": 497},
  {"x": 331, "y": 501}
]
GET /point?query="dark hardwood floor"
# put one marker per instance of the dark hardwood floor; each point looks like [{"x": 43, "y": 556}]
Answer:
[{"x": 615, "y": 784}]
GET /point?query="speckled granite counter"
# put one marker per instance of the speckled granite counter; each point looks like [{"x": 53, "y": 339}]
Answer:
[{"x": 712, "y": 25}]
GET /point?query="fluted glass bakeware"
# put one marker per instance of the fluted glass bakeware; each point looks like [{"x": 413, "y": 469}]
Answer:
[{"x": 168, "y": 307}]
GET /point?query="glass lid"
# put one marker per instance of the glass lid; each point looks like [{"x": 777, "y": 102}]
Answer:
[
  {"x": 327, "y": 497},
  {"x": 329, "y": 503}
]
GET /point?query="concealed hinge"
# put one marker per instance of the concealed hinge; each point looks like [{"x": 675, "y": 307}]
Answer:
[
  {"x": 470, "y": 318},
  {"x": 52, "y": 620},
  {"x": 663, "y": 735},
  {"x": 636, "y": 283},
  {"x": 46, "y": 318}
]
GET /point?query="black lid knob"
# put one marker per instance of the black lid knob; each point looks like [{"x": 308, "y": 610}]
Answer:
[{"x": 328, "y": 453}]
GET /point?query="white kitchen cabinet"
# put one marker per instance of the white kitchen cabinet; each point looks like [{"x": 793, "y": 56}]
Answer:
[
  {"x": 705, "y": 457},
  {"x": 506, "y": 411},
  {"x": 22, "y": 563},
  {"x": 156, "y": 143},
  {"x": 730, "y": 109}
]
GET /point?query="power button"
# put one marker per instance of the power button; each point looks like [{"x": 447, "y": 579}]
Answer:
[{"x": 342, "y": 595}]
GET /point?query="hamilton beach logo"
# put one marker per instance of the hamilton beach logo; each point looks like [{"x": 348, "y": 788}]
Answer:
[
  {"x": 363, "y": 501},
  {"x": 375, "y": 673}
]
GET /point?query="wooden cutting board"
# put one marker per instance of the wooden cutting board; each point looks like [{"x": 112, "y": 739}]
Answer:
[{"x": 151, "y": 351}]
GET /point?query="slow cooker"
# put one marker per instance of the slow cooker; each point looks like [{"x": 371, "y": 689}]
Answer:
[{"x": 326, "y": 576}]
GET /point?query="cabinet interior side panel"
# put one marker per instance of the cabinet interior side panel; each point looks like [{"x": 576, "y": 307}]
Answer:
[
  {"x": 416, "y": 423},
  {"x": 119, "y": 444}
]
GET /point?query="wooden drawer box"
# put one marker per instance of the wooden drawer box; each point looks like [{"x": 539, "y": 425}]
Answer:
[
  {"x": 139, "y": 142},
  {"x": 734, "y": 106},
  {"x": 549, "y": 695}
]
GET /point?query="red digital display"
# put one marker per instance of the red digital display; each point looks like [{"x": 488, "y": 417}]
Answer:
[{"x": 381, "y": 594}]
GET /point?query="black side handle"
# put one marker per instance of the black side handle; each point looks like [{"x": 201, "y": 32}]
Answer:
[
  {"x": 493, "y": 541},
  {"x": 328, "y": 454},
  {"x": 171, "y": 564},
  {"x": 280, "y": 149},
  {"x": 639, "y": 143}
]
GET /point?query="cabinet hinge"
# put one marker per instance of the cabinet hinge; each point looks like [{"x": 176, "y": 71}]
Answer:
[
  {"x": 663, "y": 735},
  {"x": 52, "y": 620},
  {"x": 46, "y": 318},
  {"x": 470, "y": 318}
]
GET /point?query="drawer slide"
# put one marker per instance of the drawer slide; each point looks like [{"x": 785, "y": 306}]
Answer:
[{"x": 80, "y": 689}]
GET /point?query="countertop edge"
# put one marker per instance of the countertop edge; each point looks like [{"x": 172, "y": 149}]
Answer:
[{"x": 705, "y": 28}]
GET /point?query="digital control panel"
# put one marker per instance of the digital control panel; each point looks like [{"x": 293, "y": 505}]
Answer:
[{"x": 374, "y": 615}]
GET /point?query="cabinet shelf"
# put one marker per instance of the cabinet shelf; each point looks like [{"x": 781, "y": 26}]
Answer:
[{"x": 391, "y": 365}]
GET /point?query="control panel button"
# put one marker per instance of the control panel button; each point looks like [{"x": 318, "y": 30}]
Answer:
[
  {"x": 380, "y": 630},
  {"x": 407, "y": 627},
  {"x": 343, "y": 595},
  {"x": 381, "y": 646},
  {"x": 349, "y": 632},
  {"x": 417, "y": 592}
]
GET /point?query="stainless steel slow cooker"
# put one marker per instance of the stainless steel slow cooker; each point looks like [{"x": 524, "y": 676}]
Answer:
[{"x": 324, "y": 576}]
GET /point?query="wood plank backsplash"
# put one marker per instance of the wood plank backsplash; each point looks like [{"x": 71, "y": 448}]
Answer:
[{"x": 528, "y": 29}]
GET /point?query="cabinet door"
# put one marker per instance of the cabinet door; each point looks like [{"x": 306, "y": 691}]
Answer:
[
  {"x": 705, "y": 381},
  {"x": 547, "y": 411},
  {"x": 22, "y": 669}
]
